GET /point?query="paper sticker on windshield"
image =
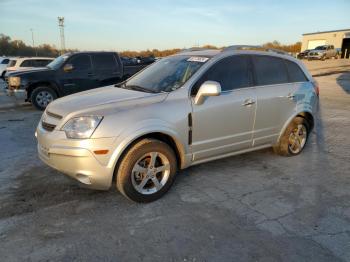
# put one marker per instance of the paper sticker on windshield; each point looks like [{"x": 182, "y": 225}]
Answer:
[{"x": 199, "y": 59}]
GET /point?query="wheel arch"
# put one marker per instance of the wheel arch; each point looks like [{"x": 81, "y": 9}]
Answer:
[
  {"x": 307, "y": 115},
  {"x": 42, "y": 83},
  {"x": 161, "y": 135}
]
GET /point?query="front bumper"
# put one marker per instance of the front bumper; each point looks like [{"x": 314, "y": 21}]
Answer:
[
  {"x": 75, "y": 158},
  {"x": 19, "y": 94},
  {"x": 315, "y": 56}
]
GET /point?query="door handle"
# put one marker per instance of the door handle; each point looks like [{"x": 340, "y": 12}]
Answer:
[
  {"x": 90, "y": 74},
  {"x": 248, "y": 102}
]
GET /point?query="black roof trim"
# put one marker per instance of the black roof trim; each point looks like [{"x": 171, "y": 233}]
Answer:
[{"x": 323, "y": 32}]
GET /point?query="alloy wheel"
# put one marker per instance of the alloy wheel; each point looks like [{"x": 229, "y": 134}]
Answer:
[
  {"x": 297, "y": 139},
  {"x": 150, "y": 173}
]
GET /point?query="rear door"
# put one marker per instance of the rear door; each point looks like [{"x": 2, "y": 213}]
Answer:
[
  {"x": 107, "y": 69},
  {"x": 224, "y": 124},
  {"x": 276, "y": 98},
  {"x": 81, "y": 78},
  {"x": 301, "y": 85}
]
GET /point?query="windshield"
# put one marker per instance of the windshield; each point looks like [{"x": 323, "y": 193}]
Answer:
[
  {"x": 167, "y": 74},
  {"x": 320, "y": 47},
  {"x": 55, "y": 64}
]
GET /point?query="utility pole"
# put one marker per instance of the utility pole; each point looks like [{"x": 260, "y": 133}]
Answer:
[
  {"x": 61, "y": 26},
  {"x": 36, "y": 51}
]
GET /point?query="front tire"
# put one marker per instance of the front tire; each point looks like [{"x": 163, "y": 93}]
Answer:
[
  {"x": 42, "y": 96},
  {"x": 147, "y": 171},
  {"x": 294, "y": 138}
]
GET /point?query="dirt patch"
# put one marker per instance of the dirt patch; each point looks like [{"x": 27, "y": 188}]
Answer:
[{"x": 41, "y": 187}]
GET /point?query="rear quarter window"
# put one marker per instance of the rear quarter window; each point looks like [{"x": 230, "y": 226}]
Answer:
[
  {"x": 295, "y": 72},
  {"x": 269, "y": 70}
]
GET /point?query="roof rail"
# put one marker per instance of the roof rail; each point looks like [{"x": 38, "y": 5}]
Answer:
[
  {"x": 247, "y": 47},
  {"x": 278, "y": 51},
  {"x": 193, "y": 49},
  {"x": 241, "y": 47}
]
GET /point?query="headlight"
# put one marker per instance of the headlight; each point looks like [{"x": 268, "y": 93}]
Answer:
[
  {"x": 81, "y": 127},
  {"x": 14, "y": 81}
]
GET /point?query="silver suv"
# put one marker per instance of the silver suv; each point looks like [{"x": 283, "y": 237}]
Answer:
[{"x": 186, "y": 109}]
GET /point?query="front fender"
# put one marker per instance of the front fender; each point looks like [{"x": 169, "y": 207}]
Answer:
[{"x": 143, "y": 128}]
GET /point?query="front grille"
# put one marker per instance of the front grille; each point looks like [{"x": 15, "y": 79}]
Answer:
[
  {"x": 47, "y": 126},
  {"x": 53, "y": 115}
]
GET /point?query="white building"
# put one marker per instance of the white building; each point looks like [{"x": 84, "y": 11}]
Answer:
[{"x": 338, "y": 38}]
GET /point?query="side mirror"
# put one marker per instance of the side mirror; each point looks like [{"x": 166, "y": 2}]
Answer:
[
  {"x": 208, "y": 88},
  {"x": 68, "y": 68}
]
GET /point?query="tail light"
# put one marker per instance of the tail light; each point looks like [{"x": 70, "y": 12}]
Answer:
[{"x": 316, "y": 87}]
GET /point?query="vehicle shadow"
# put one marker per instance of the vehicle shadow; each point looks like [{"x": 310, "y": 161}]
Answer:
[
  {"x": 343, "y": 80},
  {"x": 41, "y": 187}
]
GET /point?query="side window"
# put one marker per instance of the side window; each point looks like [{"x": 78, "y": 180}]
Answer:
[
  {"x": 270, "y": 70},
  {"x": 12, "y": 63},
  {"x": 231, "y": 72},
  {"x": 40, "y": 63},
  {"x": 26, "y": 63},
  {"x": 81, "y": 62},
  {"x": 5, "y": 61},
  {"x": 295, "y": 72},
  {"x": 104, "y": 61}
]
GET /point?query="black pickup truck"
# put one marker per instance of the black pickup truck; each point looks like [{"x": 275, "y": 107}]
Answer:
[{"x": 68, "y": 74}]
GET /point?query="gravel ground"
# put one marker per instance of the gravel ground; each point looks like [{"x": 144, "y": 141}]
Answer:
[{"x": 253, "y": 207}]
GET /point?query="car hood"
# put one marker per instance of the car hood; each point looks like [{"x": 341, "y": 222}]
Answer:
[
  {"x": 29, "y": 71},
  {"x": 102, "y": 99}
]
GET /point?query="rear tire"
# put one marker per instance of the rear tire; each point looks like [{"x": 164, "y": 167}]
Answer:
[
  {"x": 42, "y": 96},
  {"x": 294, "y": 138},
  {"x": 147, "y": 171}
]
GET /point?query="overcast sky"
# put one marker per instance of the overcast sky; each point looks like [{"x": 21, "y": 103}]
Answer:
[{"x": 148, "y": 24}]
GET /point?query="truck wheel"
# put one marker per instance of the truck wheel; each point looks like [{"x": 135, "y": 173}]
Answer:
[
  {"x": 42, "y": 96},
  {"x": 294, "y": 139},
  {"x": 146, "y": 171}
]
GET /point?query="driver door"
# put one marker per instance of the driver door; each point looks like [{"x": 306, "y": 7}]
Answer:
[
  {"x": 81, "y": 77},
  {"x": 224, "y": 124}
]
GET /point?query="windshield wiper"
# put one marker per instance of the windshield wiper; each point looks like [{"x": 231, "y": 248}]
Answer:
[
  {"x": 138, "y": 88},
  {"x": 121, "y": 84}
]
